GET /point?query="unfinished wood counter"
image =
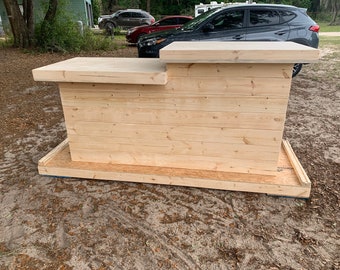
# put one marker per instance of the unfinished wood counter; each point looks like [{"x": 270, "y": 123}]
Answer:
[{"x": 206, "y": 114}]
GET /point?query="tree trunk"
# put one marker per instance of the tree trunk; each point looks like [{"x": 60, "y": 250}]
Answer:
[
  {"x": 21, "y": 33},
  {"x": 333, "y": 6},
  {"x": 47, "y": 22},
  {"x": 29, "y": 16},
  {"x": 148, "y": 5},
  {"x": 52, "y": 11}
]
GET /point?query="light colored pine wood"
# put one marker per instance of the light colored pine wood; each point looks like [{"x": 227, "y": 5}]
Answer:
[
  {"x": 175, "y": 133},
  {"x": 195, "y": 103},
  {"x": 214, "y": 116},
  {"x": 295, "y": 163},
  {"x": 104, "y": 70},
  {"x": 185, "y": 148},
  {"x": 238, "y": 52},
  {"x": 230, "y": 71},
  {"x": 184, "y": 86},
  {"x": 178, "y": 161},
  {"x": 232, "y": 120},
  {"x": 285, "y": 182}
]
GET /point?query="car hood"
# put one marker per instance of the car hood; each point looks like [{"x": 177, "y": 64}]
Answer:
[{"x": 106, "y": 16}]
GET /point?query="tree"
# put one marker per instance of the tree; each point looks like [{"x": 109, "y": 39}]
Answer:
[
  {"x": 21, "y": 24},
  {"x": 333, "y": 6}
]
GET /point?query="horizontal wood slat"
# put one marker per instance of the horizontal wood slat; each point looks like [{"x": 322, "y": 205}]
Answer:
[
  {"x": 259, "y": 121},
  {"x": 205, "y": 104},
  {"x": 176, "y": 161},
  {"x": 183, "y": 86},
  {"x": 232, "y": 72},
  {"x": 178, "y": 133}
]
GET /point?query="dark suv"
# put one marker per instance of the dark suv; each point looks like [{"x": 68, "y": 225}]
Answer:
[
  {"x": 125, "y": 19},
  {"x": 244, "y": 22}
]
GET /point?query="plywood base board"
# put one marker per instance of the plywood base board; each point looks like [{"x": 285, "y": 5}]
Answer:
[{"x": 290, "y": 179}]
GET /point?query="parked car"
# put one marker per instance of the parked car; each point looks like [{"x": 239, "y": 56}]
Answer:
[
  {"x": 243, "y": 22},
  {"x": 125, "y": 19},
  {"x": 166, "y": 23}
]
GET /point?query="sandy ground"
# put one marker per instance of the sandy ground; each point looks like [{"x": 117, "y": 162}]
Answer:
[{"x": 61, "y": 223}]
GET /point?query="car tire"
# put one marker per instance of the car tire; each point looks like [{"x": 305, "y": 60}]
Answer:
[
  {"x": 109, "y": 28},
  {"x": 296, "y": 69}
]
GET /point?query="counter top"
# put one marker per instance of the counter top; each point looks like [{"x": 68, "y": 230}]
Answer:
[
  {"x": 238, "y": 52},
  {"x": 104, "y": 70}
]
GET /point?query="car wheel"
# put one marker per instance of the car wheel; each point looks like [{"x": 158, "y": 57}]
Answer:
[
  {"x": 109, "y": 28},
  {"x": 296, "y": 69}
]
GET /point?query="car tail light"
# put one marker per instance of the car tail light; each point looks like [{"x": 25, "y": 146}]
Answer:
[{"x": 315, "y": 28}]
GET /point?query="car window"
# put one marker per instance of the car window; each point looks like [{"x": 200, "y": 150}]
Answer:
[
  {"x": 264, "y": 17},
  {"x": 125, "y": 15},
  {"x": 228, "y": 20},
  {"x": 286, "y": 15},
  {"x": 169, "y": 21},
  {"x": 136, "y": 15},
  {"x": 192, "y": 24},
  {"x": 183, "y": 20}
]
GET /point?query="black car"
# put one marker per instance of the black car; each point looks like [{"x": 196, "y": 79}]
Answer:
[{"x": 244, "y": 22}]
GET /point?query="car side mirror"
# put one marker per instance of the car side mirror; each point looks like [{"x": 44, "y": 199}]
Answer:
[{"x": 208, "y": 27}]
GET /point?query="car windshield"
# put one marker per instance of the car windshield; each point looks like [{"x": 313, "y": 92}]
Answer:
[{"x": 190, "y": 25}]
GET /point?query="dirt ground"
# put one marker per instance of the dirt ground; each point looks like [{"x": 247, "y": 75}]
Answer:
[{"x": 62, "y": 223}]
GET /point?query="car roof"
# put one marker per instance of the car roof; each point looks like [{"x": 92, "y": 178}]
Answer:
[
  {"x": 176, "y": 16},
  {"x": 260, "y": 5}
]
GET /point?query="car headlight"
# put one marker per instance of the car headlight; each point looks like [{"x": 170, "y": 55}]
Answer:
[
  {"x": 100, "y": 19},
  {"x": 151, "y": 42},
  {"x": 130, "y": 31}
]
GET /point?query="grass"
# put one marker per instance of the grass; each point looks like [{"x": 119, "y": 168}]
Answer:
[
  {"x": 326, "y": 40},
  {"x": 324, "y": 27}
]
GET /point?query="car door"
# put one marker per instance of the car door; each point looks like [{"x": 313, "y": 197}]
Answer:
[
  {"x": 166, "y": 24},
  {"x": 264, "y": 24},
  {"x": 136, "y": 19},
  {"x": 227, "y": 25},
  {"x": 123, "y": 19}
]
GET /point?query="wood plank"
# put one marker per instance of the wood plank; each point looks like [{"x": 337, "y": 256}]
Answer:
[
  {"x": 230, "y": 87},
  {"x": 196, "y": 103},
  {"x": 294, "y": 161},
  {"x": 238, "y": 52},
  {"x": 235, "y": 71},
  {"x": 178, "y": 161},
  {"x": 175, "y": 133},
  {"x": 263, "y": 121},
  {"x": 183, "y": 86},
  {"x": 188, "y": 148},
  {"x": 104, "y": 70},
  {"x": 285, "y": 182}
]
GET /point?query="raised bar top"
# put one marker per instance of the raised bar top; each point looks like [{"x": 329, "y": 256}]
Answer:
[
  {"x": 238, "y": 52},
  {"x": 104, "y": 70}
]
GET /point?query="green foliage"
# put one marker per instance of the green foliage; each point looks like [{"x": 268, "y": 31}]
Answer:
[
  {"x": 6, "y": 42},
  {"x": 95, "y": 10},
  {"x": 93, "y": 42},
  {"x": 64, "y": 34},
  {"x": 60, "y": 35}
]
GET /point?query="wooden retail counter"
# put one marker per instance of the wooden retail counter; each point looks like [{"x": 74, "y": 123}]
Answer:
[{"x": 206, "y": 114}]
